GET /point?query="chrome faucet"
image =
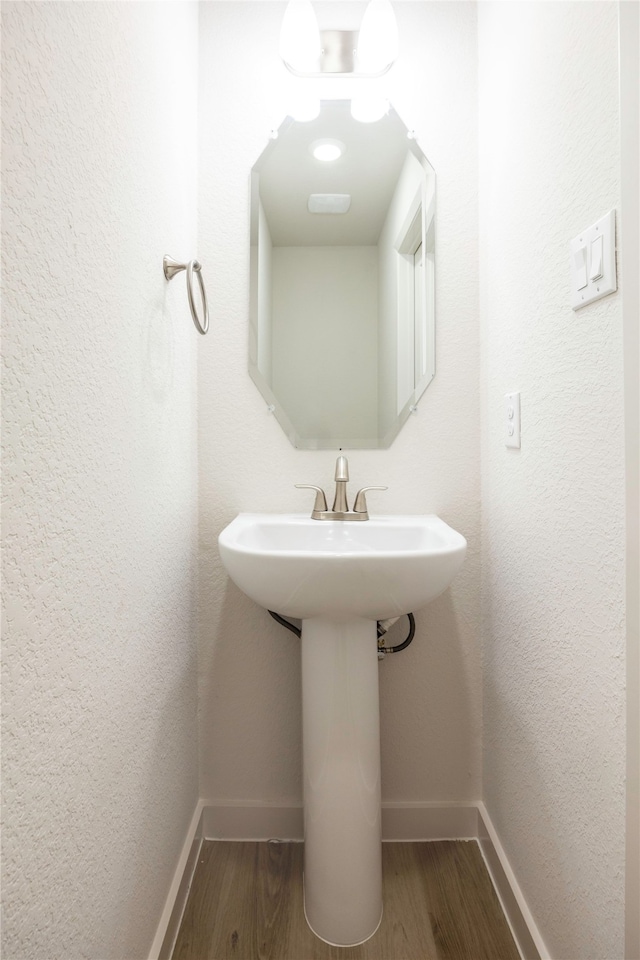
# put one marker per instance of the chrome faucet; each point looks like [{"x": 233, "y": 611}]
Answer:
[{"x": 340, "y": 509}]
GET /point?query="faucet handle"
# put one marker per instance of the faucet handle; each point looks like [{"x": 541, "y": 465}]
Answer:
[
  {"x": 321, "y": 501},
  {"x": 360, "y": 503}
]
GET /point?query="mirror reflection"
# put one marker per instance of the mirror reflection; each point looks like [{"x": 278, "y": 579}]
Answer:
[{"x": 342, "y": 278}]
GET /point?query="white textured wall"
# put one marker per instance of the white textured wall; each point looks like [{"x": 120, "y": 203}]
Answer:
[
  {"x": 100, "y": 481},
  {"x": 553, "y": 512},
  {"x": 249, "y": 676}
]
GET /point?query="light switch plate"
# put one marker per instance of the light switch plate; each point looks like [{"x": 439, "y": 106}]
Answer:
[
  {"x": 582, "y": 252},
  {"x": 512, "y": 420}
]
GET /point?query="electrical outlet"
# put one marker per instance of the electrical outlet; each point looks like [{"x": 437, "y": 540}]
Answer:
[{"x": 512, "y": 420}]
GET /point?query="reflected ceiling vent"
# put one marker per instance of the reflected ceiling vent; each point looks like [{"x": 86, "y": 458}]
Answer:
[{"x": 329, "y": 202}]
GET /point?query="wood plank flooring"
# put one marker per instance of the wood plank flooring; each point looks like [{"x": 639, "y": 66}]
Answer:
[{"x": 246, "y": 903}]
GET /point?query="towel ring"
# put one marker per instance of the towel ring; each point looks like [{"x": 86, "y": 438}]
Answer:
[{"x": 171, "y": 267}]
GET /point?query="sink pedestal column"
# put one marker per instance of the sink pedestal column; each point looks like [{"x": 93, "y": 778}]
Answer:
[{"x": 341, "y": 749}]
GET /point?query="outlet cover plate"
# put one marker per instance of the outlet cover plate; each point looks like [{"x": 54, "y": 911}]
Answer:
[{"x": 512, "y": 420}]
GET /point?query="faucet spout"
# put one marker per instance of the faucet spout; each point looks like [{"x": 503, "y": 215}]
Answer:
[
  {"x": 340, "y": 504},
  {"x": 342, "y": 469}
]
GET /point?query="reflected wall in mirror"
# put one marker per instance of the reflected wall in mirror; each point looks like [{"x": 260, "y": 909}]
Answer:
[{"x": 342, "y": 317}]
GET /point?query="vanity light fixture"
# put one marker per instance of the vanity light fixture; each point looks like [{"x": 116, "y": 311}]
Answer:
[
  {"x": 305, "y": 109},
  {"x": 369, "y": 109},
  {"x": 300, "y": 47},
  {"x": 308, "y": 51},
  {"x": 327, "y": 150},
  {"x": 378, "y": 38}
]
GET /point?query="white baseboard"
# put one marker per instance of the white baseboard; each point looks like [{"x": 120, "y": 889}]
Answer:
[
  {"x": 233, "y": 820},
  {"x": 429, "y": 820},
  {"x": 402, "y": 820},
  {"x": 165, "y": 938},
  {"x": 514, "y": 905},
  {"x": 246, "y": 820}
]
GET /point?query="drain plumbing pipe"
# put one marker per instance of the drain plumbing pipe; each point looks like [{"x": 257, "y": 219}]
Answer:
[{"x": 383, "y": 626}]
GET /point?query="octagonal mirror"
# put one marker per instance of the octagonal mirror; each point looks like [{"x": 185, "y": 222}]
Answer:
[{"x": 342, "y": 314}]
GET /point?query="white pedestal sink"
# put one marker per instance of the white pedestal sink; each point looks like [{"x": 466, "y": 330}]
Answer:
[{"x": 339, "y": 578}]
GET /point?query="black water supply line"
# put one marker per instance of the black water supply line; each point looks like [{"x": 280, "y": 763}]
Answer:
[
  {"x": 382, "y": 650},
  {"x": 400, "y": 646},
  {"x": 286, "y": 623}
]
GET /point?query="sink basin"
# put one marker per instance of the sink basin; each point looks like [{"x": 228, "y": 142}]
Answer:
[
  {"x": 380, "y": 568},
  {"x": 339, "y": 578}
]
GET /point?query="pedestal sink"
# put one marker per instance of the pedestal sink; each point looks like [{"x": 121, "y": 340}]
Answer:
[{"x": 340, "y": 578}]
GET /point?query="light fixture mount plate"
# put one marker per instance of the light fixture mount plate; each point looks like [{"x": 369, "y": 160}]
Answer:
[
  {"x": 338, "y": 51},
  {"x": 338, "y": 57}
]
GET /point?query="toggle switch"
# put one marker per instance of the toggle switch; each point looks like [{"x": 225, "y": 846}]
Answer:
[
  {"x": 596, "y": 259},
  {"x": 593, "y": 262}
]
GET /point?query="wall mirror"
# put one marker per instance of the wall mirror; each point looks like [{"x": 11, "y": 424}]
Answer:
[{"x": 342, "y": 301}]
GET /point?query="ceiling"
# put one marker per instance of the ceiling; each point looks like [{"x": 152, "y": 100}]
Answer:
[{"x": 368, "y": 171}]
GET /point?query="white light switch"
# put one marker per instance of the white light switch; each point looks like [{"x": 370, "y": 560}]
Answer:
[
  {"x": 593, "y": 262},
  {"x": 596, "y": 259},
  {"x": 512, "y": 420}
]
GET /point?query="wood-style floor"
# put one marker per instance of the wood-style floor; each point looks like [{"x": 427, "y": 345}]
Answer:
[{"x": 246, "y": 903}]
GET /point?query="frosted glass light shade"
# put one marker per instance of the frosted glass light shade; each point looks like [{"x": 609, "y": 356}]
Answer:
[
  {"x": 369, "y": 109},
  {"x": 378, "y": 38},
  {"x": 300, "y": 37}
]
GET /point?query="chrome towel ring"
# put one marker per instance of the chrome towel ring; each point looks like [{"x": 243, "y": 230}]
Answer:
[{"x": 171, "y": 267}]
